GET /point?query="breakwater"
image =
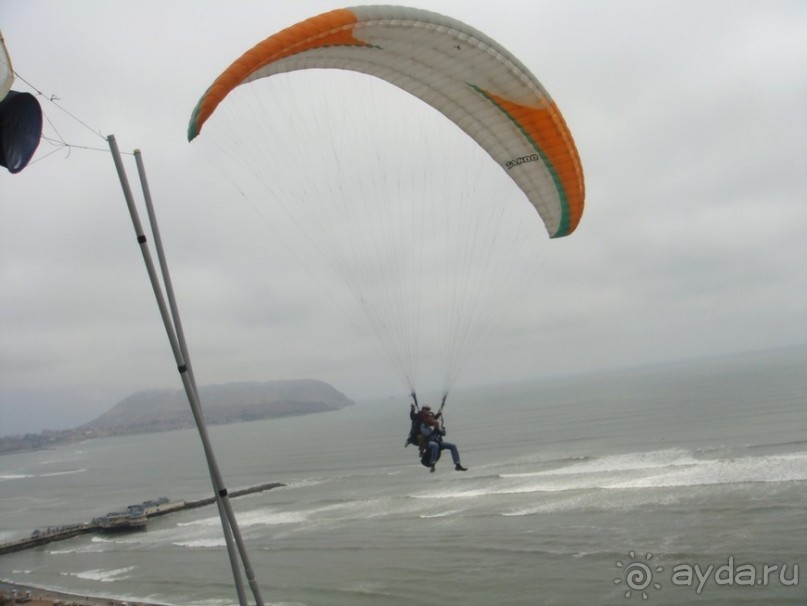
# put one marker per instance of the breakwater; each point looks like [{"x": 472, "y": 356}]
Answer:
[{"x": 150, "y": 508}]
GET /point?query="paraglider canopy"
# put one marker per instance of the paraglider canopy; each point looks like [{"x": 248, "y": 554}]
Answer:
[
  {"x": 20, "y": 129},
  {"x": 458, "y": 70}
]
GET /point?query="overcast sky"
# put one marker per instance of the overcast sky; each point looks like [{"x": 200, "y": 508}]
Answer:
[{"x": 691, "y": 125}]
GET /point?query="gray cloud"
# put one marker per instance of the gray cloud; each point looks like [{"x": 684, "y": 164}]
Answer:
[{"x": 691, "y": 127}]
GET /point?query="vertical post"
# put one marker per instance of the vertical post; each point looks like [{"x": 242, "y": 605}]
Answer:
[{"x": 179, "y": 349}]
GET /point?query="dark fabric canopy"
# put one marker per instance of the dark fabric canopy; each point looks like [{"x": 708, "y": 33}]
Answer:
[{"x": 20, "y": 129}]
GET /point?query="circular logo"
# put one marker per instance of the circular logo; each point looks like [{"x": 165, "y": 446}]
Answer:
[{"x": 638, "y": 576}]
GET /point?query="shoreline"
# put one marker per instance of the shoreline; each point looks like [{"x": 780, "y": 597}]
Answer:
[{"x": 40, "y": 596}]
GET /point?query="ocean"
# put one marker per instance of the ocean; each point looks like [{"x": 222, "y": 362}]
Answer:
[{"x": 675, "y": 484}]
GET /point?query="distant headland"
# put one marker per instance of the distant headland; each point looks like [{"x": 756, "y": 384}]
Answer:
[{"x": 167, "y": 409}]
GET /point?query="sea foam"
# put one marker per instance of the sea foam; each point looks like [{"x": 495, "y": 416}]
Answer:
[{"x": 102, "y": 575}]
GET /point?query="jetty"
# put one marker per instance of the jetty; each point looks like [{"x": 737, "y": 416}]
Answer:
[{"x": 132, "y": 519}]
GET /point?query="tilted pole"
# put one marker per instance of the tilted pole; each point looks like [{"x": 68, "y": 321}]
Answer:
[
  {"x": 183, "y": 348},
  {"x": 176, "y": 337},
  {"x": 179, "y": 348}
]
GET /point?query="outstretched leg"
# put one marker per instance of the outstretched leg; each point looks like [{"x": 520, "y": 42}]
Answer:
[{"x": 455, "y": 455}]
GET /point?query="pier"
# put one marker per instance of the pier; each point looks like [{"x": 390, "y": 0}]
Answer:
[{"x": 158, "y": 507}]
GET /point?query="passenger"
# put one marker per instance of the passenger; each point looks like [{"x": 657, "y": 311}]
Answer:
[
  {"x": 417, "y": 417},
  {"x": 433, "y": 433}
]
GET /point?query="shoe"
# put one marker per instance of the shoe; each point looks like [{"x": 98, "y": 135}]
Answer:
[
  {"x": 459, "y": 467},
  {"x": 431, "y": 468}
]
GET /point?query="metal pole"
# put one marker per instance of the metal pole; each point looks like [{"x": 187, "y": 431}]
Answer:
[
  {"x": 218, "y": 481},
  {"x": 190, "y": 387},
  {"x": 175, "y": 336}
]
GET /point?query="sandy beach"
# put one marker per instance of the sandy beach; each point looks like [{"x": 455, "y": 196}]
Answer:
[{"x": 11, "y": 593}]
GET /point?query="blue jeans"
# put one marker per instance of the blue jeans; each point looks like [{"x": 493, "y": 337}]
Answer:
[{"x": 435, "y": 448}]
